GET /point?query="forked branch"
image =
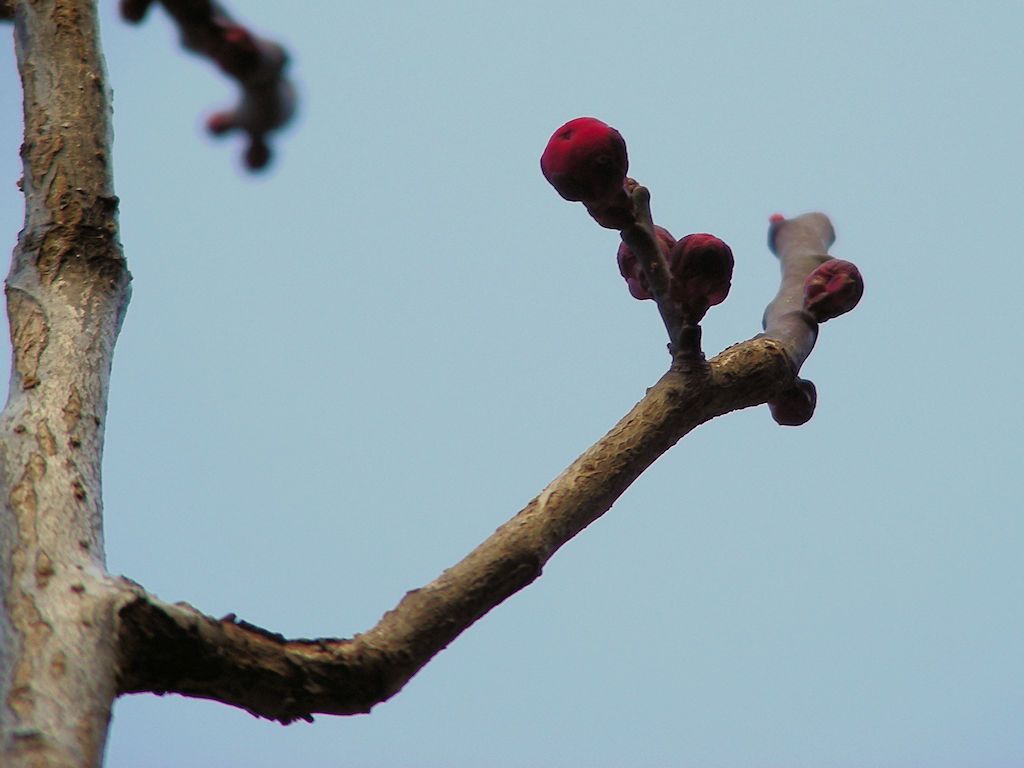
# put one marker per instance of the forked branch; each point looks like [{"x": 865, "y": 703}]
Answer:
[{"x": 174, "y": 648}]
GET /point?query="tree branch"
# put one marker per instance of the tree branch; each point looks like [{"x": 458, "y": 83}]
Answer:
[
  {"x": 67, "y": 291},
  {"x": 174, "y": 648},
  {"x": 640, "y": 236},
  {"x": 258, "y": 65}
]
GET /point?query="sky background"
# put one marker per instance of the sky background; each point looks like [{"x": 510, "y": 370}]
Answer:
[{"x": 338, "y": 377}]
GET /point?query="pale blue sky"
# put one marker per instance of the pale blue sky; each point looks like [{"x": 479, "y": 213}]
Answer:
[{"x": 334, "y": 380}]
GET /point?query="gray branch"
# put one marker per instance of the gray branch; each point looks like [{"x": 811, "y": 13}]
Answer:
[{"x": 174, "y": 648}]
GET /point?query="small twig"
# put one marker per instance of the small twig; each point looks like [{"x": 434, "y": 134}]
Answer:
[
  {"x": 174, "y": 648},
  {"x": 258, "y": 65},
  {"x": 643, "y": 241}
]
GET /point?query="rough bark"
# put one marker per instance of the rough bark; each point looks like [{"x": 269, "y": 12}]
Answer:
[
  {"x": 66, "y": 294},
  {"x": 174, "y": 648}
]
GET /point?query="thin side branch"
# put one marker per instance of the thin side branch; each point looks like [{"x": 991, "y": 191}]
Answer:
[
  {"x": 175, "y": 649},
  {"x": 643, "y": 241},
  {"x": 258, "y": 65}
]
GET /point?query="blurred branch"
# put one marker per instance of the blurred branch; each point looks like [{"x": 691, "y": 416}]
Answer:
[
  {"x": 258, "y": 65},
  {"x": 175, "y": 649},
  {"x": 6, "y": 10}
]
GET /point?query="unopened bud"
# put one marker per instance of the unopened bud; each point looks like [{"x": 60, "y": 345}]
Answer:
[
  {"x": 833, "y": 289},
  {"x": 700, "y": 266},
  {"x": 585, "y": 160},
  {"x": 795, "y": 406}
]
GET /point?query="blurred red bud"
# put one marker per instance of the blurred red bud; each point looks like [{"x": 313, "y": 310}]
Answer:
[
  {"x": 795, "y": 406},
  {"x": 220, "y": 123},
  {"x": 236, "y": 34},
  {"x": 833, "y": 289},
  {"x": 700, "y": 266},
  {"x": 134, "y": 10},
  {"x": 585, "y": 160}
]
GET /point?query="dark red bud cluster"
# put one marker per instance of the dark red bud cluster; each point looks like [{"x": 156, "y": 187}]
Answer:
[
  {"x": 220, "y": 123},
  {"x": 833, "y": 289},
  {"x": 700, "y": 267},
  {"x": 629, "y": 264},
  {"x": 585, "y": 161},
  {"x": 795, "y": 406}
]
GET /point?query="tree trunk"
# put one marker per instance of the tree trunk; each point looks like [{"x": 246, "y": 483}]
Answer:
[{"x": 66, "y": 295}]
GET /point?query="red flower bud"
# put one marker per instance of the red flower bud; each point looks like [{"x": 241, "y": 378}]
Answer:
[
  {"x": 220, "y": 123},
  {"x": 795, "y": 406},
  {"x": 585, "y": 160},
  {"x": 833, "y": 289},
  {"x": 700, "y": 266},
  {"x": 629, "y": 265}
]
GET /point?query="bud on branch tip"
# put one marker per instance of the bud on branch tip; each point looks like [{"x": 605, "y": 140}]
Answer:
[
  {"x": 585, "y": 161},
  {"x": 795, "y": 406}
]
